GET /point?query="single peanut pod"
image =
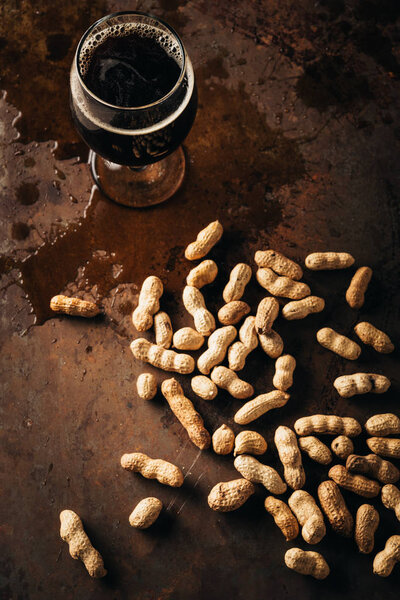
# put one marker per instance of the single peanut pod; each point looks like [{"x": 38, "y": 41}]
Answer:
[
  {"x": 146, "y": 386},
  {"x": 372, "y": 336},
  {"x": 218, "y": 343},
  {"x": 148, "y": 303},
  {"x": 300, "y": 309},
  {"x": 391, "y": 498},
  {"x": 188, "y": 339},
  {"x": 249, "y": 442},
  {"x": 238, "y": 279},
  {"x": 290, "y": 457},
  {"x": 186, "y": 414},
  {"x": 388, "y": 447},
  {"x": 230, "y": 495},
  {"x": 358, "y": 484},
  {"x": 307, "y": 563},
  {"x": 159, "y": 357},
  {"x": 315, "y": 449},
  {"x": 339, "y": 344},
  {"x": 227, "y": 380},
  {"x": 335, "y": 509},
  {"x": 206, "y": 239},
  {"x": 223, "y": 440},
  {"x": 284, "y": 368},
  {"x": 271, "y": 343},
  {"x": 373, "y": 466},
  {"x": 320, "y": 261},
  {"x": 308, "y": 515},
  {"x": 252, "y": 470},
  {"x": 328, "y": 425},
  {"x": 145, "y": 513},
  {"x": 233, "y": 312},
  {"x": 239, "y": 351},
  {"x": 282, "y": 286},
  {"x": 193, "y": 301},
  {"x": 367, "y": 521},
  {"x": 383, "y": 425},
  {"x": 386, "y": 560},
  {"x": 74, "y": 306},
  {"x": 361, "y": 383},
  {"x": 203, "y": 274},
  {"x": 163, "y": 329},
  {"x": 278, "y": 263},
  {"x": 80, "y": 546},
  {"x": 283, "y": 517},
  {"x": 355, "y": 294},
  {"x": 204, "y": 387},
  {"x": 162, "y": 470},
  {"x": 342, "y": 446},
  {"x": 267, "y": 312},
  {"x": 260, "y": 405}
]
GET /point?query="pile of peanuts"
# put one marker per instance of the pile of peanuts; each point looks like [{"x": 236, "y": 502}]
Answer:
[{"x": 362, "y": 475}]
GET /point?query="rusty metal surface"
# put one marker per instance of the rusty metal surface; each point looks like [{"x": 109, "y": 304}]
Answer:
[{"x": 295, "y": 146}]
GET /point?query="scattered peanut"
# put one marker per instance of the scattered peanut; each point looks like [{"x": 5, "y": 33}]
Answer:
[
  {"x": 367, "y": 521},
  {"x": 146, "y": 385},
  {"x": 188, "y": 339},
  {"x": 267, "y": 312},
  {"x": 340, "y": 344},
  {"x": 290, "y": 456},
  {"x": 358, "y": 484},
  {"x": 371, "y": 336},
  {"x": 233, "y": 312},
  {"x": 206, "y": 239},
  {"x": 223, "y": 440},
  {"x": 283, "y": 517},
  {"x": 278, "y": 263},
  {"x": 307, "y": 563},
  {"x": 159, "y": 357},
  {"x": 238, "y": 352},
  {"x": 148, "y": 303},
  {"x": 80, "y": 547},
  {"x": 271, "y": 343},
  {"x": 204, "y": 387},
  {"x": 238, "y": 279},
  {"x": 74, "y": 306},
  {"x": 315, "y": 449},
  {"x": 300, "y": 309},
  {"x": 186, "y": 414},
  {"x": 388, "y": 447},
  {"x": 163, "y": 329},
  {"x": 250, "y": 468},
  {"x": 335, "y": 509},
  {"x": 193, "y": 301},
  {"x": 282, "y": 286},
  {"x": 361, "y": 383},
  {"x": 165, "y": 472},
  {"x": 319, "y": 261},
  {"x": 218, "y": 343},
  {"x": 227, "y": 380},
  {"x": 230, "y": 495},
  {"x": 203, "y": 274},
  {"x": 373, "y": 466},
  {"x": 257, "y": 407},
  {"x": 284, "y": 368},
  {"x": 342, "y": 446},
  {"x": 385, "y": 561},
  {"x": 383, "y": 424},
  {"x": 391, "y": 498},
  {"x": 355, "y": 294},
  {"x": 145, "y": 513},
  {"x": 308, "y": 515},
  {"x": 328, "y": 425},
  {"x": 249, "y": 442}
]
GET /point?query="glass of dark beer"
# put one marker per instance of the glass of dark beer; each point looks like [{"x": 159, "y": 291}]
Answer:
[{"x": 133, "y": 101}]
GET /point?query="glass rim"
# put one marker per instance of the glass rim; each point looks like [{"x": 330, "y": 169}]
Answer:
[{"x": 141, "y": 14}]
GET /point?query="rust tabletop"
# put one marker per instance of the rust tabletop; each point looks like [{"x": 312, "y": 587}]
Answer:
[{"x": 295, "y": 147}]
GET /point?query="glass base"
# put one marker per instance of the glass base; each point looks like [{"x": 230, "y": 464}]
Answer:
[{"x": 146, "y": 186}]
